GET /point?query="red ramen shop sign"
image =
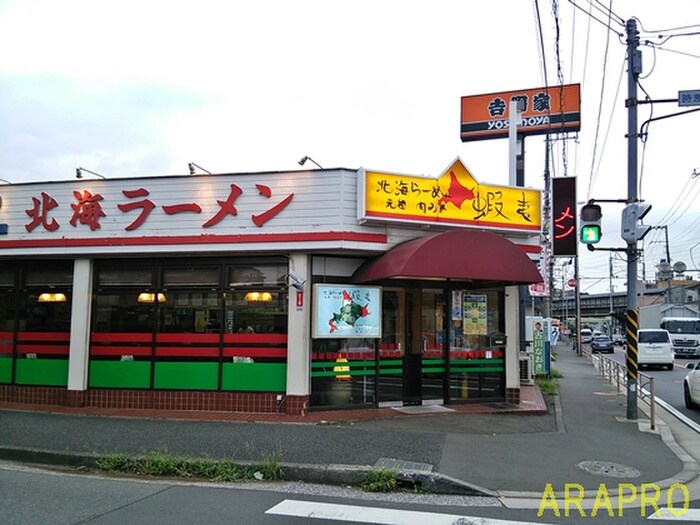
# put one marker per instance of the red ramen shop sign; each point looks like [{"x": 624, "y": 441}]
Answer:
[{"x": 555, "y": 109}]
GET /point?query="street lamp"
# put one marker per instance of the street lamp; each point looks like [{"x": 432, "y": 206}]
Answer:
[
  {"x": 192, "y": 166},
  {"x": 305, "y": 158},
  {"x": 79, "y": 173}
]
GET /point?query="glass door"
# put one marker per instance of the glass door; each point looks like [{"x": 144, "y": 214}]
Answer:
[
  {"x": 433, "y": 365},
  {"x": 392, "y": 348}
]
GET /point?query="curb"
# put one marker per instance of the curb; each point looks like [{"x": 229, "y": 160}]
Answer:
[{"x": 339, "y": 475}]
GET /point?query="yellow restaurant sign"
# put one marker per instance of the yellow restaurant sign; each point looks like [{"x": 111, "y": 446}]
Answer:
[{"x": 455, "y": 198}]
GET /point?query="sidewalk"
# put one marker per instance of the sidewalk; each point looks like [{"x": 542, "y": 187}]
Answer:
[{"x": 489, "y": 449}]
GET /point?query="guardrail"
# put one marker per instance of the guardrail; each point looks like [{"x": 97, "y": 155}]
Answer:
[{"x": 616, "y": 373}]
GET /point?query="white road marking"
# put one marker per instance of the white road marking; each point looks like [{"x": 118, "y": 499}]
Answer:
[
  {"x": 665, "y": 514},
  {"x": 380, "y": 516}
]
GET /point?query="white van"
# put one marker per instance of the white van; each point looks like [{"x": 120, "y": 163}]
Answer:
[
  {"x": 586, "y": 336},
  {"x": 654, "y": 348}
]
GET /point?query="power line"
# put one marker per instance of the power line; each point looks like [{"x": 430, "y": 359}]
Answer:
[
  {"x": 600, "y": 111},
  {"x": 660, "y": 48},
  {"x": 609, "y": 15}
]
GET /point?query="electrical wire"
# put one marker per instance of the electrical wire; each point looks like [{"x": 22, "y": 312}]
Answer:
[
  {"x": 668, "y": 30},
  {"x": 607, "y": 25},
  {"x": 675, "y": 51},
  {"x": 560, "y": 80},
  {"x": 607, "y": 11},
  {"x": 600, "y": 110},
  {"x": 610, "y": 120},
  {"x": 541, "y": 43}
]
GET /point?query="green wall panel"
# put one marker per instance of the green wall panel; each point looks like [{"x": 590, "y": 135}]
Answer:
[
  {"x": 119, "y": 374},
  {"x": 44, "y": 372},
  {"x": 255, "y": 377},
  {"x": 5, "y": 369},
  {"x": 186, "y": 376}
]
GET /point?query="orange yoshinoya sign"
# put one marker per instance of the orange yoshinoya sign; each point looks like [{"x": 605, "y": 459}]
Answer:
[
  {"x": 455, "y": 197},
  {"x": 554, "y": 109}
]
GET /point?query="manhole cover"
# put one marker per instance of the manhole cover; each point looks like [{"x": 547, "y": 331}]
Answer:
[{"x": 609, "y": 469}]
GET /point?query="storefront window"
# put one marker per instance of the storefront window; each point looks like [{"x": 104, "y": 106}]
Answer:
[
  {"x": 121, "y": 311},
  {"x": 125, "y": 277},
  {"x": 124, "y": 301},
  {"x": 343, "y": 372},
  {"x": 39, "y": 315},
  {"x": 246, "y": 275},
  {"x": 203, "y": 325},
  {"x": 260, "y": 311},
  {"x": 190, "y": 312},
  {"x": 43, "y": 323},
  {"x": 7, "y": 278},
  {"x": 7, "y": 309},
  {"x": 190, "y": 276}
]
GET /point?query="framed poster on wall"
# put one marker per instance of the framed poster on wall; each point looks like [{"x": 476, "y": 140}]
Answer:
[{"x": 347, "y": 311}]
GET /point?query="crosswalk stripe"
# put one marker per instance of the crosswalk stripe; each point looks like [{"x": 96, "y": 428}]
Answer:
[{"x": 378, "y": 516}]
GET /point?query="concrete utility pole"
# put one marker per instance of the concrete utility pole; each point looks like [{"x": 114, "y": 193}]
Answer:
[{"x": 634, "y": 69}]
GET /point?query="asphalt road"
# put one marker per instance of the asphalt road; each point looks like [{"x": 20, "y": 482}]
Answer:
[
  {"x": 34, "y": 496},
  {"x": 668, "y": 385}
]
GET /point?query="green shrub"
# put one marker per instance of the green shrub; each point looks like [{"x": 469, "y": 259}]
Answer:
[
  {"x": 383, "y": 480},
  {"x": 166, "y": 465}
]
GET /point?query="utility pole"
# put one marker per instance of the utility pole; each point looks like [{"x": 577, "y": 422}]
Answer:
[
  {"x": 634, "y": 69},
  {"x": 610, "y": 286},
  {"x": 665, "y": 265}
]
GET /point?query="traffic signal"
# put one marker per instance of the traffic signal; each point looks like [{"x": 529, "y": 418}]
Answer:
[
  {"x": 631, "y": 231},
  {"x": 590, "y": 224}
]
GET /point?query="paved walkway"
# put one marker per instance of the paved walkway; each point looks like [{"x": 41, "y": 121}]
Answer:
[{"x": 514, "y": 452}]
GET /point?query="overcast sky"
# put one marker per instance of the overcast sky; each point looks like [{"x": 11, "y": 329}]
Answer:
[{"x": 132, "y": 88}]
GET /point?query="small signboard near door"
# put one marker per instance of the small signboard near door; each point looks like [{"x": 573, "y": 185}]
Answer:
[{"x": 347, "y": 311}]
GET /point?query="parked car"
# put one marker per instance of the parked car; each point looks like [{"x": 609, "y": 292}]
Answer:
[
  {"x": 602, "y": 343},
  {"x": 654, "y": 348},
  {"x": 691, "y": 386}
]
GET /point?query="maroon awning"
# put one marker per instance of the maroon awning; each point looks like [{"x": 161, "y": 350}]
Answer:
[{"x": 461, "y": 255}]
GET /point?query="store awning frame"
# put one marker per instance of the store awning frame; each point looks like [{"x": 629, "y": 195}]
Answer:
[{"x": 458, "y": 255}]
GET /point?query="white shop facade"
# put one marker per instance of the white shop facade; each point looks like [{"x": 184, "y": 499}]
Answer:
[{"x": 264, "y": 292}]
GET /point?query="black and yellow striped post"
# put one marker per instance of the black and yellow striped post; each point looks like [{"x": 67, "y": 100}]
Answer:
[{"x": 632, "y": 325}]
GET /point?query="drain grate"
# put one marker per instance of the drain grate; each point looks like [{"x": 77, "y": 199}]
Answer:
[
  {"x": 398, "y": 464},
  {"x": 609, "y": 469}
]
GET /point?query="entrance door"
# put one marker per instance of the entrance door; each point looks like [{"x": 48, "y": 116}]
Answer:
[
  {"x": 392, "y": 349},
  {"x": 412, "y": 361},
  {"x": 433, "y": 363},
  {"x": 412, "y": 352}
]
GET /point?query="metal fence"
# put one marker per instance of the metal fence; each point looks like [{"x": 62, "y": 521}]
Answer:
[{"x": 616, "y": 374}]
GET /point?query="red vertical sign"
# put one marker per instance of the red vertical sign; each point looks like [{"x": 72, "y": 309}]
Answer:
[{"x": 564, "y": 228}]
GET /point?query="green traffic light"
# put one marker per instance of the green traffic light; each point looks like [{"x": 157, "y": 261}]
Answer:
[{"x": 590, "y": 234}]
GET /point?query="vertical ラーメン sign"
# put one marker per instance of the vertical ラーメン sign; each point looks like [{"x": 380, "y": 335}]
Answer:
[{"x": 564, "y": 227}]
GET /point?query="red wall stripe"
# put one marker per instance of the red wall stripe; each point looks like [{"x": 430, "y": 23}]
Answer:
[
  {"x": 43, "y": 349},
  {"x": 120, "y": 350},
  {"x": 187, "y": 351},
  {"x": 255, "y": 351},
  {"x": 197, "y": 239},
  {"x": 187, "y": 338},
  {"x": 121, "y": 337},
  {"x": 62, "y": 337},
  {"x": 246, "y": 338}
]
